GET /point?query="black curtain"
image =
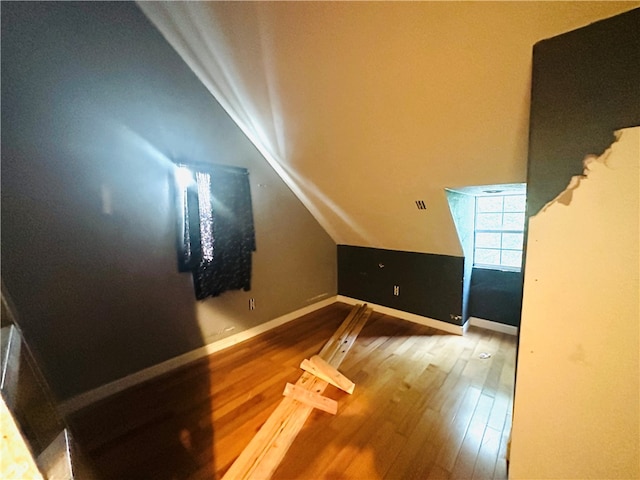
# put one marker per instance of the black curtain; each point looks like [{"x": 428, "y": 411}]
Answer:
[{"x": 218, "y": 235}]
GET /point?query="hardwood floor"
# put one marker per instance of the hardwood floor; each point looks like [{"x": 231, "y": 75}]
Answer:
[{"x": 425, "y": 406}]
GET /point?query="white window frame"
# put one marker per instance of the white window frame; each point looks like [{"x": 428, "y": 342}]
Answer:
[{"x": 502, "y": 231}]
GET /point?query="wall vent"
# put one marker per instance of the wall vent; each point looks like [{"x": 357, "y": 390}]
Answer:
[{"x": 421, "y": 205}]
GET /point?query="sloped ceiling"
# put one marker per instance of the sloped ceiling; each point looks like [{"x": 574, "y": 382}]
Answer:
[{"x": 365, "y": 107}]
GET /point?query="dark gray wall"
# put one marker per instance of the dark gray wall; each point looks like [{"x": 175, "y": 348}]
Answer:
[
  {"x": 585, "y": 85},
  {"x": 430, "y": 284},
  {"x": 496, "y": 295},
  {"x": 93, "y": 100}
]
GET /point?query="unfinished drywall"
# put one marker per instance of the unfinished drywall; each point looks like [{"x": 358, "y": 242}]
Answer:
[
  {"x": 95, "y": 105},
  {"x": 577, "y": 396}
]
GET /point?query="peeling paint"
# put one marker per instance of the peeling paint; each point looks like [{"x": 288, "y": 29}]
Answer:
[{"x": 589, "y": 164}]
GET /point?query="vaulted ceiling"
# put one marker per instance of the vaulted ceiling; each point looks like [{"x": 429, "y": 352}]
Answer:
[{"x": 365, "y": 107}]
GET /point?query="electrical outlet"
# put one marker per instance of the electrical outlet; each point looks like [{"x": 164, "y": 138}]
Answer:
[
  {"x": 252, "y": 304},
  {"x": 396, "y": 290}
]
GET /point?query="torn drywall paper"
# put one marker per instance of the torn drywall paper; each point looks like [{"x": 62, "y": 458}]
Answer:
[{"x": 590, "y": 163}]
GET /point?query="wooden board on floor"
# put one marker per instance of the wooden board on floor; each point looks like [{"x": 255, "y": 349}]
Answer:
[
  {"x": 311, "y": 399},
  {"x": 321, "y": 369},
  {"x": 267, "y": 448}
]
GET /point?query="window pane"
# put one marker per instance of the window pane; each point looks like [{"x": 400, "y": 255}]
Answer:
[
  {"x": 488, "y": 221},
  {"x": 515, "y": 203},
  {"x": 511, "y": 258},
  {"x": 499, "y": 230},
  {"x": 206, "y": 217},
  {"x": 513, "y": 221},
  {"x": 487, "y": 257},
  {"x": 488, "y": 240},
  {"x": 488, "y": 204},
  {"x": 512, "y": 241}
]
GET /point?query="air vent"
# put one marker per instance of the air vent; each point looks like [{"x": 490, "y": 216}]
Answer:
[{"x": 420, "y": 204}]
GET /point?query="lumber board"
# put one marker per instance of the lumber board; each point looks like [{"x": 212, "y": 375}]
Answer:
[
  {"x": 323, "y": 370},
  {"x": 329, "y": 348},
  {"x": 268, "y": 447},
  {"x": 339, "y": 349},
  {"x": 310, "y": 398},
  {"x": 261, "y": 457}
]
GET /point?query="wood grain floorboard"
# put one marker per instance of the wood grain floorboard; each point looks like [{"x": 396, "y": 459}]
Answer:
[{"x": 425, "y": 406}]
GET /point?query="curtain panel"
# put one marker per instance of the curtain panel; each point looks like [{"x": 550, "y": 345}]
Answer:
[{"x": 217, "y": 235}]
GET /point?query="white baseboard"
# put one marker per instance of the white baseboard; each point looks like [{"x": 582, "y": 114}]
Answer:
[
  {"x": 411, "y": 317},
  {"x": 491, "y": 325},
  {"x": 87, "y": 398}
]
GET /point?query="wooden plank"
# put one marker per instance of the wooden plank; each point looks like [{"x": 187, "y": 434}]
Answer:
[
  {"x": 321, "y": 369},
  {"x": 263, "y": 451},
  {"x": 328, "y": 347},
  {"x": 268, "y": 447},
  {"x": 311, "y": 399},
  {"x": 334, "y": 355}
]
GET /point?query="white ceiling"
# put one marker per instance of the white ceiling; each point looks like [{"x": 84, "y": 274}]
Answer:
[{"x": 365, "y": 107}]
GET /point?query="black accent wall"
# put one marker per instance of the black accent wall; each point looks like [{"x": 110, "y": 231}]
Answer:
[
  {"x": 585, "y": 86},
  {"x": 496, "y": 295},
  {"x": 429, "y": 284}
]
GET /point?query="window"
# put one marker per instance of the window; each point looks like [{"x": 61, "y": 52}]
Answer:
[{"x": 499, "y": 231}]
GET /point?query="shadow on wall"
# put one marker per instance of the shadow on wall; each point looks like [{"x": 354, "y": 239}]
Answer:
[{"x": 88, "y": 232}]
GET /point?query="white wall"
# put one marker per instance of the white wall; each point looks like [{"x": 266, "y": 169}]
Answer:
[
  {"x": 366, "y": 107},
  {"x": 577, "y": 389}
]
